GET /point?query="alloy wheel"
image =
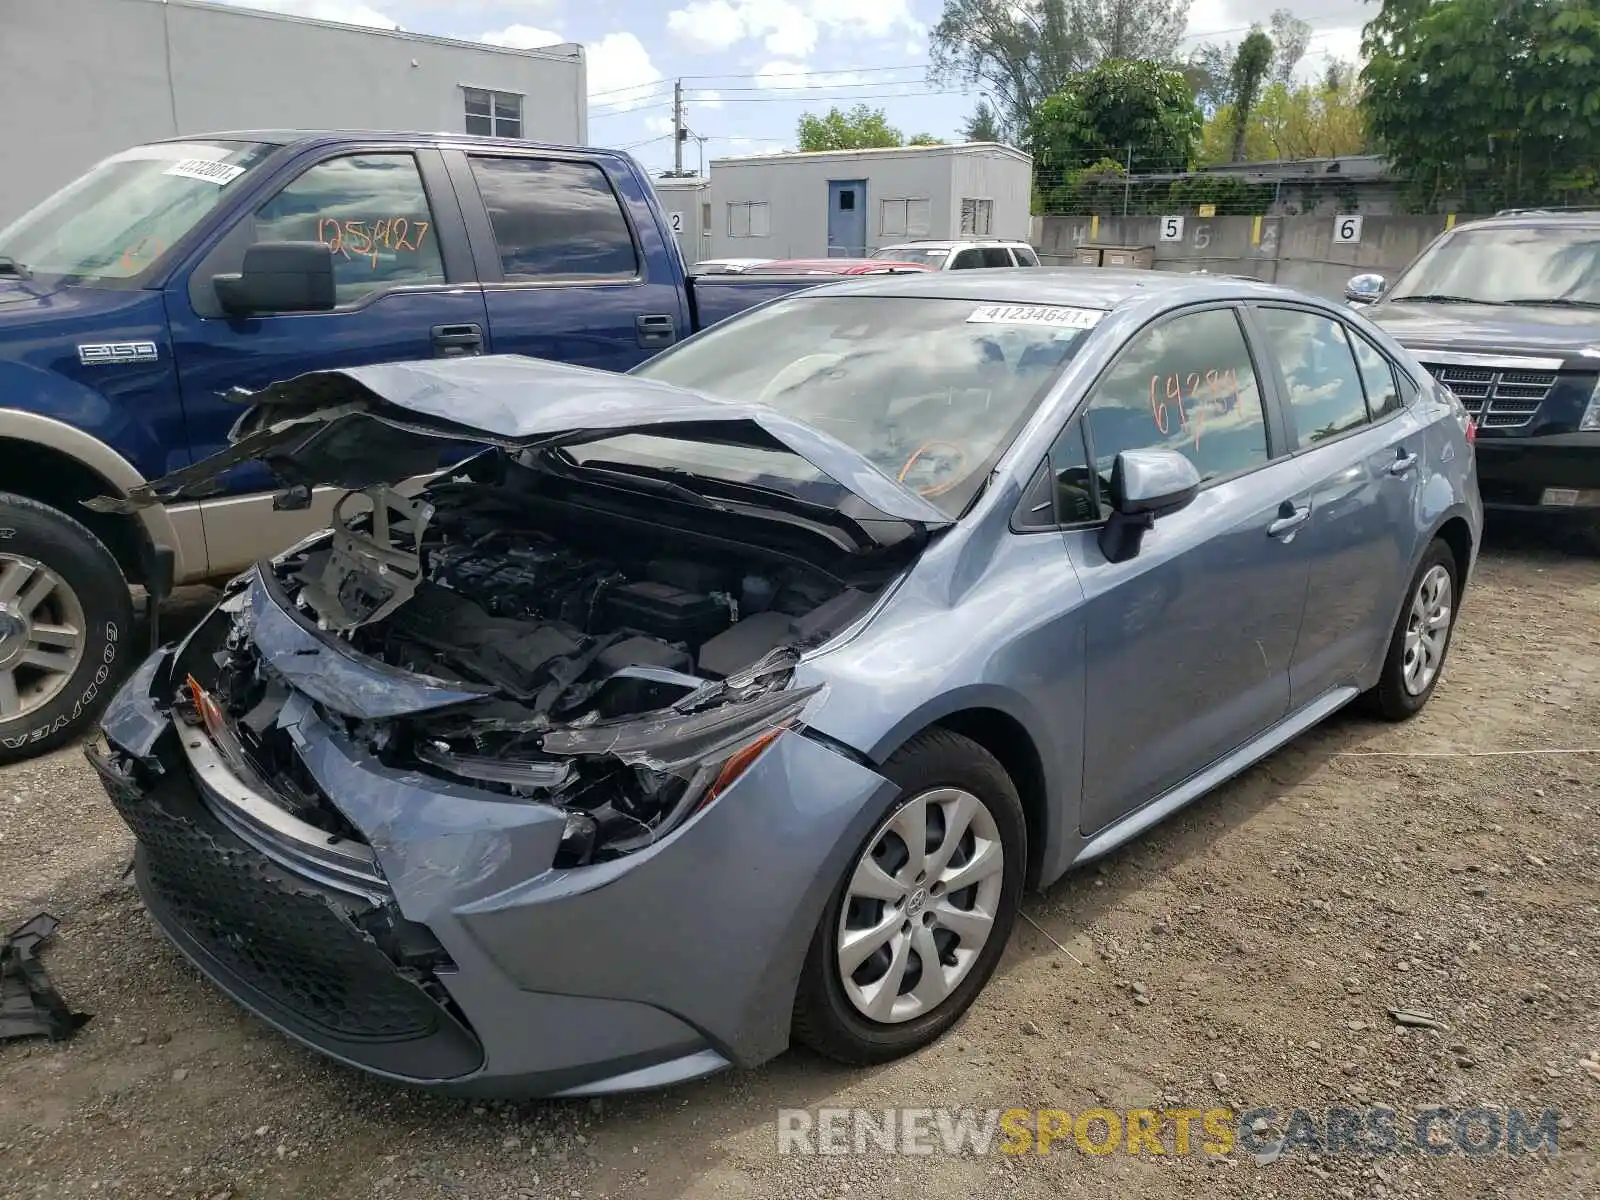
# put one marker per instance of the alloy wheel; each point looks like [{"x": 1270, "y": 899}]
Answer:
[
  {"x": 920, "y": 905},
  {"x": 42, "y": 635},
  {"x": 1427, "y": 630}
]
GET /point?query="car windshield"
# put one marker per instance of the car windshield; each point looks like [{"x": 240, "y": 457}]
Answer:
[
  {"x": 1548, "y": 264},
  {"x": 930, "y": 391},
  {"x": 112, "y": 223},
  {"x": 926, "y": 255}
]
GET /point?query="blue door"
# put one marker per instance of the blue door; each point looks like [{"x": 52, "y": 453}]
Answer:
[
  {"x": 847, "y": 218},
  {"x": 405, "y": 290},
  {"x": 567, "y": 274},
  {"x": 1212, "y": 602}
]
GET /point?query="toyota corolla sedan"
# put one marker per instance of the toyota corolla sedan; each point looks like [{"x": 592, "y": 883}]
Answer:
[{"x": 736, "y": 701}]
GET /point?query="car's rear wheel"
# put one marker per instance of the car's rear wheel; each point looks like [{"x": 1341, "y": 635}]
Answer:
[
  {"x": 65, "y": 619},
  {"x": 919, "y": 922},
  {"x": 1421, "y": 637}
]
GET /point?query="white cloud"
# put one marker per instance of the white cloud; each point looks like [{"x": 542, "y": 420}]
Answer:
[
  {"x": 708, "y": 99},
  {"x": 658, "y": 124},
  {"x": 789, "y": 28},
  {"x": 522, "y": 37},
  {"x": 324, "y": 10}
]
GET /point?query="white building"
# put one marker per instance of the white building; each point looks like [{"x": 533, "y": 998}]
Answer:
[
  {"x": 82, "y": 79},
  {"x": 686, "y": 200},
  {"x": 846, "y": 203}
]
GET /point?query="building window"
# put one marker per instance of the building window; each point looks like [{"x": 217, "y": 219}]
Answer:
[
  {"x": 905, "y": 218},
  {"x": 494, "y": 114},
  {"x": 748, "y": 219},
  {"x": 977, "y": 217}
]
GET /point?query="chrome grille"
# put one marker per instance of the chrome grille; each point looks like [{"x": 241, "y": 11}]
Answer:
[{"x": 1497, "y": 399}]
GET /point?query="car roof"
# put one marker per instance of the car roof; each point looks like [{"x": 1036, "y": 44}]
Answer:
[
  {"x": 309, "y": 137},
  {"x": 1080, "y": 287},
  {"x": 941, "y": 244},
  {"x": 1533, "y": 218}
]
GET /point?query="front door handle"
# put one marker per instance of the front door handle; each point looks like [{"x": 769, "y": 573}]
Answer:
[
  {"x": 456, "y": 341},
  {"x": 1402, "y": 463},
  {"x": 655, "y": 329},
  {"x": 1289, "y": 519}
]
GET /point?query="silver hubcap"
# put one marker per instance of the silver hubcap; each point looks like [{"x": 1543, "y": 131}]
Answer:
[
  {"x": 1427, "y": 631},
  {"x": 41, "y": 635},
  {"x": 920, "y": 905}
]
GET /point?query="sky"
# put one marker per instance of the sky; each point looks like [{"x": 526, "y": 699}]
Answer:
[{"x": 751, "y": 68}]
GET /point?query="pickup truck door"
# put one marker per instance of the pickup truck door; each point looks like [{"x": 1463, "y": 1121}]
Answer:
[
  {"x": 406, "y": 289},
  {"x": 574, "y": 262}
]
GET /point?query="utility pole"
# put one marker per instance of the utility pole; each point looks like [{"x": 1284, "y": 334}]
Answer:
[{"x": 678, "y": 130}]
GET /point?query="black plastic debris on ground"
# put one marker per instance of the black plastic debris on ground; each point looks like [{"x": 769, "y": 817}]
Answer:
[{"x": 30, "y": 1006}]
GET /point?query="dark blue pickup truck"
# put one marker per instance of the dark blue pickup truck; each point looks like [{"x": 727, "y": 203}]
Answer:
[{"x": 134, "y": 300}]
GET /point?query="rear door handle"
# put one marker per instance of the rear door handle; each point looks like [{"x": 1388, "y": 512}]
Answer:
[
  {"x": 1402, "y": 463},
  {"x": 1289, "y": 519},
  {"x": 655, "y": 329},
  {"x": 456, "y": 341}
]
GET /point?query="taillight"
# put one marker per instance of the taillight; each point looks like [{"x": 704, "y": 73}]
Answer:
[{"x": 1472, "y": 431}]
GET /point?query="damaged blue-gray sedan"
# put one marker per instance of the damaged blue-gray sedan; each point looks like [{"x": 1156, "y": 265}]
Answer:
[{"x": 736, "y": 701}]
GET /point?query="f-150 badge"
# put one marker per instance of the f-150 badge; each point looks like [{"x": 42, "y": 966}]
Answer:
[{"x": 105, "y": 354}]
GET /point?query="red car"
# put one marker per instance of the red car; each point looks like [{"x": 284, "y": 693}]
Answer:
[{"x": 833, "y": 266}]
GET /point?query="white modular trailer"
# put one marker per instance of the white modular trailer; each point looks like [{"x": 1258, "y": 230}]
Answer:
[{"x": 846, "y": 203}]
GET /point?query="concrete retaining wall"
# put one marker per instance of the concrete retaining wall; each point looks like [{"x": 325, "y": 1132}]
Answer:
[{"x": 1294, "y": 251}]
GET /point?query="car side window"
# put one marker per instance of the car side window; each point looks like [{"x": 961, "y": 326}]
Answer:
[
  {"x": 1378, "y": 376},
  {"x": 371, "y": 210},
  {"x": 1025, "y": 256},
  {"x": 1186, "y": 384},
  {"x": 555, "y": 218},
  {"x": 996, "y": 256},
  {"x": 967, "y": 260},
  {"x": 1326, "y": 396}
]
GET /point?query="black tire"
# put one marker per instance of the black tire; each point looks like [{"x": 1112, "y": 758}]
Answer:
[
  {"x": 36, "y": 531},
  {"x": 1390, "y": 699},
  {"x": 824, "y": 1018}
]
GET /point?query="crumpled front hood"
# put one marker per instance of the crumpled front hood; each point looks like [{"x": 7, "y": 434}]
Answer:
[
  {"x": 359, "y": 426},
  {"x": 1570, "y": 334}
]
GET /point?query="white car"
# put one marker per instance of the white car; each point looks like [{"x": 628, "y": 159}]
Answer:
[{"x": 963, "y": 255}]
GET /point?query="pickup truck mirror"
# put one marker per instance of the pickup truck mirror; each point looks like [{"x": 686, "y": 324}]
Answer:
[{"x": 279, "y": 277}]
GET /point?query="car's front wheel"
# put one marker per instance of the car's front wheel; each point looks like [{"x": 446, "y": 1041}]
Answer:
[
  {"x": 918, "y": 923},
  {"x": 65, "y": 623},
  {"x": 1421, "y": 637}
]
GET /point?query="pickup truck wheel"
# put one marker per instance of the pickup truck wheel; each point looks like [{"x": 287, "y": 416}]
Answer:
[{"x": 65, "y": 623}]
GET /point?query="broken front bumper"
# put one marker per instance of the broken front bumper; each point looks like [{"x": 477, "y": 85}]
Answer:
[{"x": 444, "y": 950}]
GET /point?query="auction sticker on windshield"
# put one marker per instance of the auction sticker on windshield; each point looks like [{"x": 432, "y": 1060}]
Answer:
[
  {"x": 1051, "y": 316},
  {"x": 205, "y": 169}
]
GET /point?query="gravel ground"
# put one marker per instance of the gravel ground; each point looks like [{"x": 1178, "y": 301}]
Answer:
[{"x": 1244, "y": 954}]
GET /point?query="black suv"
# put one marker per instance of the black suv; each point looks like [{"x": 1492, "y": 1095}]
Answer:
[{"x": 1505, "y": 312}]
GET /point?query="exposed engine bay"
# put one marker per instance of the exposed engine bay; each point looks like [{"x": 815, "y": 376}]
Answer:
[{"x": 628, "y": 668}]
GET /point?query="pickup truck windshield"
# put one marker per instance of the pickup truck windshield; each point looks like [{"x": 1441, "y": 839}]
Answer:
[
  {"x": 1547, "y": 264},
  {"x": 112, "y": 223},
  {"x": 930, "y": 391}
]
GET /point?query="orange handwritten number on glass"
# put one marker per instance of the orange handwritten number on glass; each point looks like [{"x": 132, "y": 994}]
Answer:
[{"x": 1158, "y": 408}]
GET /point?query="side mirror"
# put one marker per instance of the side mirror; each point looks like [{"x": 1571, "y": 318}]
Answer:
[
  {"x": 1145, "y": 485},
  {"x": 1364, "y": 289},
  {"x": 279, "y": 277}
]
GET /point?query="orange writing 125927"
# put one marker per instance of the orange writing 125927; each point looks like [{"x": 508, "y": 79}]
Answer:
[
  {"x": 370, "y": 239},
  {"x": 1194, "y": 396}
]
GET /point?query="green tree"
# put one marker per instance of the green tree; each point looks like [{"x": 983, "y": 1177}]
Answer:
[
  {"x": 1491, "y": 102},
  {"x": 1321, "y": 120},
  {"x": 1119, "y": 109},
  {"x": 1250, "y": 67},
  {"x": 1290, "y": 37},
  {"x": 861, "y": 128},
  {"x": 1022, "y": 51},
  {"x": 924, "y": 139},
  {"x": 982, "y": 125}
]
